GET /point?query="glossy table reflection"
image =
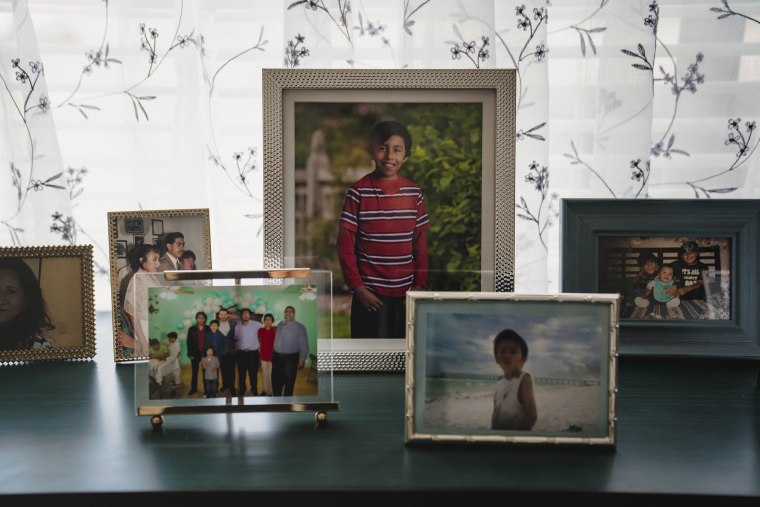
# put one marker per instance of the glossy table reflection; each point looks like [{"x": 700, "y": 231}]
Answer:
[{"x": 685, "y": 427}]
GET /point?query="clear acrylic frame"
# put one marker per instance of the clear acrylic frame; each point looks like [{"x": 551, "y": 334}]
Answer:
[{"x": 178, "y": 296}]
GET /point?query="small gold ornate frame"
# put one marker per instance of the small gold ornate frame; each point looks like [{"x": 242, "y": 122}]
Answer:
[
  {"x": 194, "y": 224},
  {"x": 62, "y": 302}
]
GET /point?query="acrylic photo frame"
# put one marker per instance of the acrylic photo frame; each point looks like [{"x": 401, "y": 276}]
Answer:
[
  {"x": 307, "y": 292},
  {"x": 194, "y": 224},
  {"x": 551, "y": 388},
  {"x": 48, "y": 310},
  {"x": 287, "y": 202},
  {"x": 586, "y": 224}
]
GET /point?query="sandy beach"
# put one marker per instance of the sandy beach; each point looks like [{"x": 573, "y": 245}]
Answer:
[{"x": 560, "y": 408}]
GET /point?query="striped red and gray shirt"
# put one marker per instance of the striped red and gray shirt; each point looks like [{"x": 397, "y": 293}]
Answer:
[{"x": 381, "y": 241}]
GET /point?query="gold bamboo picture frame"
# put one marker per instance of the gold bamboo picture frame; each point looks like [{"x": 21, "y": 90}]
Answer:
[{"x": 501, "y": 368}]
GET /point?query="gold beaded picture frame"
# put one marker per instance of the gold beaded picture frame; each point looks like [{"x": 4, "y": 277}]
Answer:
[{"x": 47, "y": 309}]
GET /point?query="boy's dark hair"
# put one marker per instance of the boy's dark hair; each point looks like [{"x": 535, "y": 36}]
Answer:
[
  {"x": 153, "y": 341},
  {"x": 268, "y": 315},
  {"x": 214, "y": 322},
  {"x": 647, "y": 256},
  {"x": 509, "y": 335},
  {"x": 171, "y": 334},
  {"x": 172, "y": 237},
  {"x": 689, "y": 246},
  {"x": 384, "y": 130}
]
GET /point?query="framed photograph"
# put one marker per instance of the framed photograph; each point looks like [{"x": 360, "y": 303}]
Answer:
[
  {"x": 135, "y": 225},
  {"x": 186, "y": 231},
  {"x": 121, "y": 248},
  {"x": 157, "y": 226},
  {"x": 491, "y": 367},
  {"x": 434, "y": 211},
  {"x": 239, "y": 315},
  {"x": 47, "y": 311},
  {"x": 683, "y": 270}
]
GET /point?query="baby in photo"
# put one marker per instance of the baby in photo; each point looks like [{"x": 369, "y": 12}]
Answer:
[
  {"x": 658, "y": 289},
  {"x": 514, "y": 402}
]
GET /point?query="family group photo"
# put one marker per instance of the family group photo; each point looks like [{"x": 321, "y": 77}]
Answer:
[
  {"x": 232, "y": 341},
  {"x": 668, "y": 278}
]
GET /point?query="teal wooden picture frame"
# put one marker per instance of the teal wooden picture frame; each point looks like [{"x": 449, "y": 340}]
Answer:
[{"x": 585, "y": 221}]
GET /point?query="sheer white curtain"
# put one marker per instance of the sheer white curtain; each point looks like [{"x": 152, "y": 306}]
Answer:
[{"x": 157, "y": 105}]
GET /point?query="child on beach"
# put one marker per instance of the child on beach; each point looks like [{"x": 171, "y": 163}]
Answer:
[
  {"x": 514, "y": 402},
  {"x": 381, "y": 244}
]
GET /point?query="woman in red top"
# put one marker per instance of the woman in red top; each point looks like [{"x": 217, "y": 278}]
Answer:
[{"x": 266, "y": 347}]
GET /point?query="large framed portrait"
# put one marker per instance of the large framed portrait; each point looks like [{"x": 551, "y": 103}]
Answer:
[
  {"x": 184, "y": 243},
  {"x": 502, "y": 368},
  {"x": 683, "y": 270},
  {"x": 47, "y": 309},
  {"x": 392, "y": 180}
]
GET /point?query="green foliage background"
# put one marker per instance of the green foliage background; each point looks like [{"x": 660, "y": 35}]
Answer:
[{"x": 445, "y": 161}]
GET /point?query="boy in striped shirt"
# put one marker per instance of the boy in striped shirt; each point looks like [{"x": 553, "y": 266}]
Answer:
[{"x": 382, "y": 245}]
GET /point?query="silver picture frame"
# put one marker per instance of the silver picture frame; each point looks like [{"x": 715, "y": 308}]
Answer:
[{"x": 493, "y": 88}]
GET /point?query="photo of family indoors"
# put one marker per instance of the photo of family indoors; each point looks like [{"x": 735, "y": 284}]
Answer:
[
  {"x": 388, "y": 198},
  {"x": 685, "y": 278},
  {"x": 518, "y": 369},
  {"x": 209, "y": 342},
  {"x": 149, "y": 243}
]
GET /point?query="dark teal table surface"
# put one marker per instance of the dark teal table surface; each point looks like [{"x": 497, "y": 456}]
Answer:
[{"x": 685, "y": 427}]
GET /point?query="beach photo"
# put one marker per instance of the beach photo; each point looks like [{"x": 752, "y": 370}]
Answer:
[{"x": 498, "y": 366}]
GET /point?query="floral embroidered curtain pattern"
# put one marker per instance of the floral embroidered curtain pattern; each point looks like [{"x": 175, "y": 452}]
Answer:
[{"x": 157, "y": 108}]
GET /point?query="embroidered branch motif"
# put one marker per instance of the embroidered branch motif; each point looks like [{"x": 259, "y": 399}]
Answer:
[
  {"x": 293, "y": 53},
  {"x": 340, "y": 18},
  {"x": 727, "y": 11},
  {"x": 409, "y": 12},
  {"x": 539, "y": 178}
]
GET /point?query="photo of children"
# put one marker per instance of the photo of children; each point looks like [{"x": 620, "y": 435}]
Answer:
[
  {"x": 388, "y": 198},
  {"x": 175, "y": 314},
  {"x": 667, "y": 277},
  {"x": 492, "y": 367}
]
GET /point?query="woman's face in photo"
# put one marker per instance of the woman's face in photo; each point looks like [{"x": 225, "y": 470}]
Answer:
[
  {"x": 151, "y": 262},
  {"x": 12, "y": 297}
]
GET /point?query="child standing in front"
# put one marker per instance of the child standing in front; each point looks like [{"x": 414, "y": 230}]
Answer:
[
  {"x": 210, "y": 365},
  {"x": 514, "y": 403},
  {"x": 382, "y": 244}
]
